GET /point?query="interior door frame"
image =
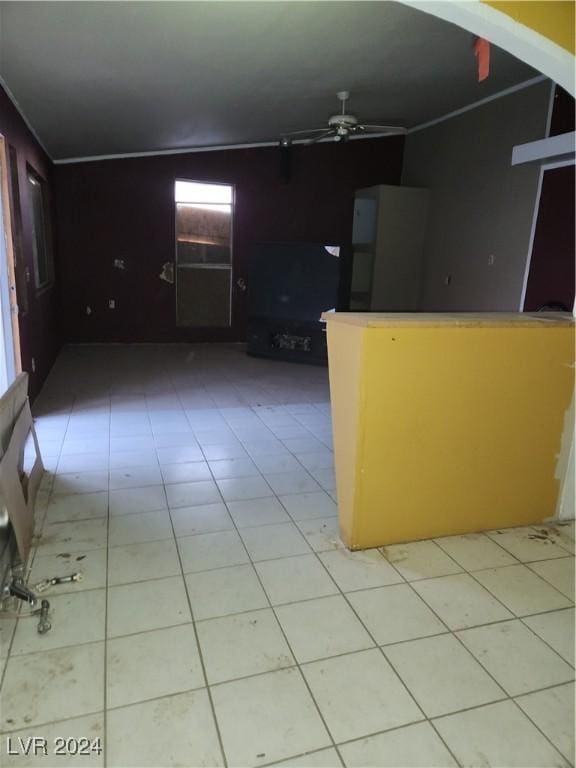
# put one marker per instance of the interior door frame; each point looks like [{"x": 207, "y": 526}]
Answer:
[
  {"x": 543, "y": 168},
  {"x": 10, "y": 328}
]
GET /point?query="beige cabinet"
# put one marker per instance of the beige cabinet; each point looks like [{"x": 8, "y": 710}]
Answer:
[{"x": 388, "y": 241}]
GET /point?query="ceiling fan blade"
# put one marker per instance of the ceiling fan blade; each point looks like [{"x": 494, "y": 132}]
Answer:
[
  {"x": 391, "y": 130},
  {"x": 295, "y": 134},
  {"x": 324, "y": 135}
]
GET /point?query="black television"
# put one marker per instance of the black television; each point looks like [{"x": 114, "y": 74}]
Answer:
[{"x": 290, "y": 285}]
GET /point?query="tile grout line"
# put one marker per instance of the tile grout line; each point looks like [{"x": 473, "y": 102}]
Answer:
[
  {"x": 281, "y": 629},
  {"x": 323, "y": 566},
  {"x": 392, "y": 667},
  {"x": 508, "y": 697},
  {"x": 303, "y": 663},
  {"x": 551, "y": 560},
  {"x": 293, "y": 666},
  {"x": 465, "y": 709},
  {"x": 543, "y": 640},
  {"x": 297, "y": 523},
  {"x": 453, "y": 632},
  {"x": 106, "y": 595},
  {"x": 514, "y": 616},
  {"x": 533, "y": 721},
  {"x": 197, "y": 640},
  {"x": 364, "y": 589}
]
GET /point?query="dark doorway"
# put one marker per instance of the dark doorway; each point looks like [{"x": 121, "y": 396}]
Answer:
[{"x": 551, "y": 274}]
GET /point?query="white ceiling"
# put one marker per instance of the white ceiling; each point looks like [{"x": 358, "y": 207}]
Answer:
[{"x": 98, "y": 78}]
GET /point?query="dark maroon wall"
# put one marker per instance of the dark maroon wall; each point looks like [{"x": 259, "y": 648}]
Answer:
[
  {"x": 562, "y": 112},
  {"x": 551, "y": 275},
  {"x": 124, "y": 209},
  {"x": 39, "y": 337}
]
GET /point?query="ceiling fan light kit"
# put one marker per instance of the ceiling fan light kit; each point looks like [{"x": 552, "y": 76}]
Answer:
[{"x": 341, "y": 127}]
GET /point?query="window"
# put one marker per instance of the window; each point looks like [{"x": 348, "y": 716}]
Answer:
[
  {"x": 203, "y": 254},
  {"x": 41, "y": 246}
]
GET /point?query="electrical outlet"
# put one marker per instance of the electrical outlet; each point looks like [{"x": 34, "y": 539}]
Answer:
[
  {"x": 448, "y": 280},
  {"x": 112, "y": 304},
  {"x": 490, "y": 259}
]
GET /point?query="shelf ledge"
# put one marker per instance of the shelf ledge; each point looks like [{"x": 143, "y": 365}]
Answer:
[{"x": 559, "y": 147}]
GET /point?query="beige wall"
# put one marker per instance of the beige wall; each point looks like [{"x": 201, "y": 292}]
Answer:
[{"x": 479, "y": 204}]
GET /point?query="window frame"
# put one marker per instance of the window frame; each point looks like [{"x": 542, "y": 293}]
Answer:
[
  {"x": 33, "y": 177},
  {"x": 203, "y": 266},
  {"x": 21, "y": 277}
]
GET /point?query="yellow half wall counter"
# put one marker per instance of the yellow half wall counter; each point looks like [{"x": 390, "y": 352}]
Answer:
[{"x": 447, "y": 424}]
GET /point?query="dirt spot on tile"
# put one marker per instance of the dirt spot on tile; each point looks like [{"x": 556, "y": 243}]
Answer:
[
  {"x": 394, "y": 557},
  {"x": 546, "y": 534}
]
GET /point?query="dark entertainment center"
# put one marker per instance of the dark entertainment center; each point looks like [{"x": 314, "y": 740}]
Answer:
[{"x": 290, "y": 285}]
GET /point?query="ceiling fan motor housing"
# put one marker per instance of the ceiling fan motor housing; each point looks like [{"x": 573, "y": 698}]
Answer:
[{"x": 342, "y": 121}]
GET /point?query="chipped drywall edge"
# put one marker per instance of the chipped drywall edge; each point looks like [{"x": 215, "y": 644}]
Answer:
[
  {"x": 565, "y": 469},
  {"x": 567, "y": 495}
]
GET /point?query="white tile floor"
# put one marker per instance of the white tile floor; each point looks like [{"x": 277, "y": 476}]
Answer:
[{"x": 221, "y": 621}]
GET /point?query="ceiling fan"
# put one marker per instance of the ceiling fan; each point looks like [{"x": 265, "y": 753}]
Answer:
[{"x": 341, "y": 127}]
